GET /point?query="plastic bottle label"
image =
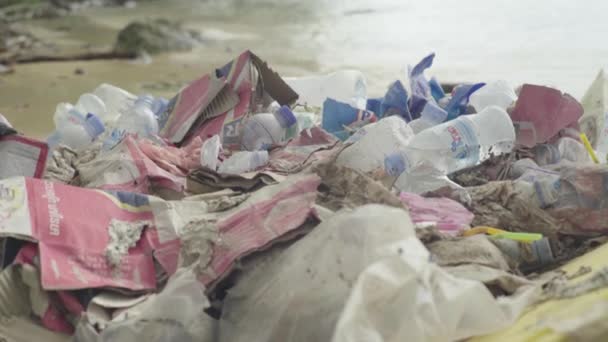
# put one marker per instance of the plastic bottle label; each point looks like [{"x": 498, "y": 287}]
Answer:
[{"x": 465, "y": 144}]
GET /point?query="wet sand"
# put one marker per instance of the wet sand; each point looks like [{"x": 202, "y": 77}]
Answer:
[{"x": 551, "y": 42}]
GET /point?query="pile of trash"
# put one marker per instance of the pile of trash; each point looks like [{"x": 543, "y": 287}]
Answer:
[{"x": 252, "y": 207}]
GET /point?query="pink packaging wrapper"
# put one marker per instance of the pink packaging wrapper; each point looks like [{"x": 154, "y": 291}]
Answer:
[
  {"x": 71, "y": 226},
  {"x": 542, "y": 112},
  {"x": 447, "y": 215}
]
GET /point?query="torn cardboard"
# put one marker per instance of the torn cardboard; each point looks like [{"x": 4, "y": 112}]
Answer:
[
  {"x": 255, "y": 83},
  {"x": 204, "y": 181},
  {"x": 200, "y": 101}
]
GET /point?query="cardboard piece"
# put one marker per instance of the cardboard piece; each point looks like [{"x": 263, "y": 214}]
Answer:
[
  {"x": 203, "y": 99},
  {"x": 208, "y": 107},
  {"x": 203, "y": 181}
]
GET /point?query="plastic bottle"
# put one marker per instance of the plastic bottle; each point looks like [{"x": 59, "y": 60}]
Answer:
[
  {"x": 76, "y": 131},
  {"x": 117, "y": 101},
  {"x": 261, "y": 131},
  {"x": 498, "y": 93},
  {"x": 374, "y": 142},
  {"x": 346, "y": 86},
  {"x": 91, "y": 103},
  {"x": 431, "y": 115},
  {"x": 462, "y": 142},
  {"x": 243, "y": 162},
  {"x": 529, "y": 256},
  {"x": 139, "y": 120}
]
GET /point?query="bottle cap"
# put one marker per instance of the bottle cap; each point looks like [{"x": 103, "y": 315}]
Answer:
[
  {"x": 394, "y": 164},
  {"x": 286, "y": 117},
  {"x": 94, "y": 125}
]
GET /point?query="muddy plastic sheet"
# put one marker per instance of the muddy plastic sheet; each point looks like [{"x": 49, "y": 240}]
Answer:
[
  {"x": 174, "y": 314},
  {"x": 62, "y": 166},
  {"x": 342, "y": 187},
  {"x": 213, "y": 244},
  {"x": 22, "y": 156},
  {"x": 582, "y": 199},
  {"x": 127, "y": 168},
  {"x": 373, "y": 251},
  {"x": 578, "y": 316}
]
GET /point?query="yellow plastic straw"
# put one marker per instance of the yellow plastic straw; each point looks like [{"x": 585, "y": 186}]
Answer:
[
  {"x": 589, "y": 148},
  {"x": 499, "y": 233}
]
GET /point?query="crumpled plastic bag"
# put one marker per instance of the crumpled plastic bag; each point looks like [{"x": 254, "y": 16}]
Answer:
[
  {"x": 404, "y": 297},
  {"x": 300, "y": 294},
  {"x": 176, "y": 314}
]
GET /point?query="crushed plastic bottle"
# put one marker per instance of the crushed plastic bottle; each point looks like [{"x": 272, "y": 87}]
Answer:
[
  {"x": 261, "y": 131},
  {"x": 460, "y": 143},
  {"x": 118, "y": 101},
  {"x": 139, "y": 121},
  {"x": 347, "y": 86},
  {"x": 498, "y": 93},
  {"x": 91, "y": 103},
  {"x": 243, "y": 162},
  {"x": 374, "y": 142},
  {"x": 431, "y": 115},
  {"x": 76, "y": 130}
]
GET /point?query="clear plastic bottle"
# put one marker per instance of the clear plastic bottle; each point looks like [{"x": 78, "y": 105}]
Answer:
[
  {"x": 91, "y": 103},
  {"x": 431, "y": 115},
  {"x": 76, "y": 131},
  {"x": 118, "y": 101},
  {"x": 374, "y": 142},
  {"x": 243, "y": 162},
  {"x": 139, "y": 121},
  {"x": 263, "y": 130},
  {"x": 498, "y": 93},
  {"x": 462, "y": 142},
  {"x": 347, "y": 86}
]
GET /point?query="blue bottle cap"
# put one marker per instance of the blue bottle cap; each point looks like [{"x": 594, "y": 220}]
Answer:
[
  {"x": 394, "y": 164},
  {"x": 286, "y": 117},
  {"x": 94, "y": 125}
]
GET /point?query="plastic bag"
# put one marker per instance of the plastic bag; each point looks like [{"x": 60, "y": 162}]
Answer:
[{"x": 175, "y": 314}]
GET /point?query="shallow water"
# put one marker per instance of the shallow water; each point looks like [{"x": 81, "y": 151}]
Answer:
[{"x": 553, "y": 42}]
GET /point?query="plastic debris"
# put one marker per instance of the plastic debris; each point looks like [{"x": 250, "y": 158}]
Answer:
[{"x": 336, "y": 216}]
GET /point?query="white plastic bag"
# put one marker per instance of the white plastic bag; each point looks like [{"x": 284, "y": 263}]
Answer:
[{"x": 175, "y": 314}]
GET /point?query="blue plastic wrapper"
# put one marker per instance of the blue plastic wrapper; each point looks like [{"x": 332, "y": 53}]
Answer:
[
  {"x": 375, "y": 105},
  {"x": 460, "y": 99},
  {"x": 396, "y": 101},
  {"x": 337, "y": 115},
  {"x": 420, "y": 85},
  {"x": 417, "y": 104},
  {"x": 436, "y": 89}
]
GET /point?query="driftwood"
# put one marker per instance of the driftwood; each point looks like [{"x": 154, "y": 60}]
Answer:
[{"x": 86, "y": 56}]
